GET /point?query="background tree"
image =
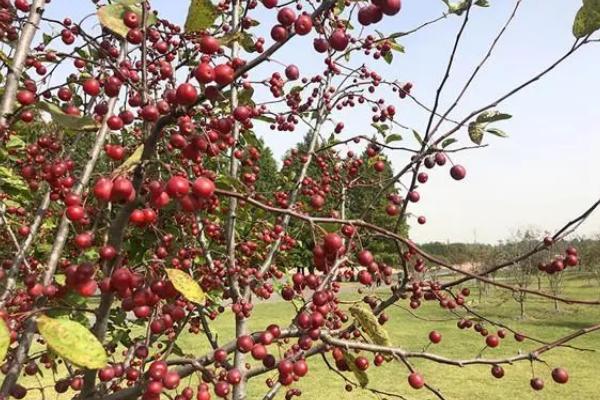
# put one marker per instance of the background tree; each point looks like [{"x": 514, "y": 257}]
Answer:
[
  {"x": 525, "y": 272},
  {"x": 367, "y": 200}
]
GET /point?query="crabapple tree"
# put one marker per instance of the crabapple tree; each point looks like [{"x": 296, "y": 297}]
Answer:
[{"x": 139, "y": 202}]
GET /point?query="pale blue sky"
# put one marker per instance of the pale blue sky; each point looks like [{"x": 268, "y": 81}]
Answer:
[{"x": 542, "y": 176}]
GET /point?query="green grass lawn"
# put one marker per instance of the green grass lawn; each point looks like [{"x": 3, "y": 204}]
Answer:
[{"x": 455, "y": 383}]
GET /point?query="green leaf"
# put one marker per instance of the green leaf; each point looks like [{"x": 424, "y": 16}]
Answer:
[
  {"x": 186, "y": 285},
  {"x": 347, "y": 24},
  {"x": 111, "y": 16},
  {"x": 231, "y": 37},
  {"x": 9, "y": 181},
  {"x": 71, "y": 122},
  {"x": 60, "y": 279},
  {"x": 251, "y": 139},
  {"x": 361, "y": 376},
  {"x": 252, "y": 22},
  {"x": 497, "y": 132},
  {"x": 43, "y": 248},
  {"x": 388, "y": 56},
  {"x": 15, "y": 142},
  {"x": 6, "y": 59},
  {"x": 74, "y": 299},
  {"x": 247, "y": 42},
  {"x": 332, "y": 140},
  {"x": 587, "y": 20},
  {"x": 393, "y": 138},
  {"x": 81, "y": 318},
  {"x": 482, "y": 3},
  {"x": 298, "y": 303},
  {"x": 201, "y": 15},
  {"x": 243, "y": 38},
  {"x": 228, "y": 182},
  {"x": 457, "y": 8},
  {"x": 448, "y": 142},
  {"x": 330, "y": 227},
  {"x": 245, "y": 96},
  {"x": 266, "y": 118},
  {"x": 397, "y": 47},
  {"x": 49, "y": 223},
  {"x": 381, "y": 128},
  {"x": 4, "y": 339},
  {"x": 73, "y": 342},
  {"x": 475, "y": 132},
  {"x": 492, "y": 116},
  {"x": 417, "y": 136},
  {"x": 46, "y": 39},
  {"x": 90, "y": 255}
]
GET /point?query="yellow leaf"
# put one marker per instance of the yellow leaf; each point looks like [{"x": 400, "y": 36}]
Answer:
[
  {"x": 111, "y": 17},
  {"x": 367, "y": 320},
  {"x": 201, "y": 15},
  {"x": 361, "y": 376},
  {"x": 73, "y": 342},
  {"x": 186, "y": 285},
  {"x": 129, "y": 164},
  {"x": 4, "y": 339}
]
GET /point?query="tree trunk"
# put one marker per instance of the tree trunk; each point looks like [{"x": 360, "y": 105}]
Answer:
[{"x": 522, "y": 307}]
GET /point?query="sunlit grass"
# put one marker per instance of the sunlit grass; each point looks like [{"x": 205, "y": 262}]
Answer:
[{"x": 410, "y": 333}]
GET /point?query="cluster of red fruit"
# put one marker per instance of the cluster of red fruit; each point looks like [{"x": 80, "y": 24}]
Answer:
[
  {"x": 210, "y": 143},
  {"x": 360, "y": 362},
  {"x": 373, "y": 270},
  {"x": 559, "y": 375},
  {"x": 457, "y": 172},
  {"x": 291, "y": 367},
  {"x": 287, "y": 18},
  {"x": 321, "y": 311},
  {"x": 325, "y": 253},
  {"x": 160, "y": 378},
  {"x": 191, "y": 196},
  {"x": 120, "y": 190},
  {"x": 373, "y": 13},
  {"x": 276, "y": 82},
  {"x": 492, "y": 340},
  {"x": 205, "y": 73},
  {"x": 415, "y": 379},
  {"x": 23, "y": 230},
  {"x": 7, "y": 31},
  {"x": 130, "y": 287},
  {"x": 300, "y": 282},
  {"x": 43, "y": 162},
  {"x": 249, "y": 160},
  {"x": 560, "y": 262},
  {"x": 81, "y": 279},
  {"x": 431, "y": 291},
  {"x": 69, "y": 34},
  {"x": 382, "y": 48},
  {"x": 115, "y": 152}
]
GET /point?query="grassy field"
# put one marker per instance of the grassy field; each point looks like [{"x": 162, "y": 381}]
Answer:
[{"x": 471, "y": 382}]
